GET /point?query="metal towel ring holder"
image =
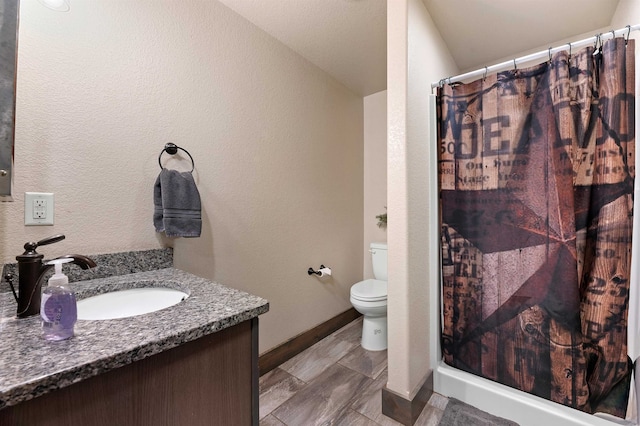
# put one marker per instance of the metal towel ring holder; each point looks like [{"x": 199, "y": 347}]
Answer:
[{"x": 172, "y": 149}]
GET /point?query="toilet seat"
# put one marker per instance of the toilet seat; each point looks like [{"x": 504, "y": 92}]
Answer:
[{"x": 369, "y": 290}]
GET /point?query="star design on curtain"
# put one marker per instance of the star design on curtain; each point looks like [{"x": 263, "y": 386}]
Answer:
[{"x": 536, "y": 216}]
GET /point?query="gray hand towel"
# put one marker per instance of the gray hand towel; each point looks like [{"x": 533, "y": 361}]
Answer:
[{"x": 177, "y": 204}]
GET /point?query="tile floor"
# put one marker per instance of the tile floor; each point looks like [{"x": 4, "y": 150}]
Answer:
[{"x": 334, "y": 382}]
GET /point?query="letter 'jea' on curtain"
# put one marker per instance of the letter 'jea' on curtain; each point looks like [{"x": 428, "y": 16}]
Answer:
[{"x": 536, "y": 171}]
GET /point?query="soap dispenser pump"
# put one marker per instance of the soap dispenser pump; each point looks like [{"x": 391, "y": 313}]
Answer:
[{"x": 58, "y": 308}]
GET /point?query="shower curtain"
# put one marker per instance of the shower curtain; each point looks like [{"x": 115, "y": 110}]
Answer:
[{"x": 536, "y": 171}]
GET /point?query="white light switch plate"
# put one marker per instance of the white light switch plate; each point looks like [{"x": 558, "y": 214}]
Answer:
[{"x": 38, "y": 208}]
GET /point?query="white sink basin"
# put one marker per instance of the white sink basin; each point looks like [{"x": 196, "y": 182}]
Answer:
[{"x": 128, "y": 303}]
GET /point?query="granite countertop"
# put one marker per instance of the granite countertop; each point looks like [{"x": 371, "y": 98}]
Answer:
[{"x": 31, "y": 366}]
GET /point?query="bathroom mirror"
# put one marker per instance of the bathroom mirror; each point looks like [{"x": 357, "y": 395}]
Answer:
[{"x": 8, "y": 48}]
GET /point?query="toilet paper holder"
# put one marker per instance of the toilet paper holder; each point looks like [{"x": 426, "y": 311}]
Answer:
[{"x": 321, "y": 272}]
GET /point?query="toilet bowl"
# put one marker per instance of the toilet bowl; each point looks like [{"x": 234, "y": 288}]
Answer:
[{"x": 369, "y": 297}]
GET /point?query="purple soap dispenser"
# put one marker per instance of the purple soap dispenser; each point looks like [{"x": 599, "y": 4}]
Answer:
[{"x": 58, "y": 306}]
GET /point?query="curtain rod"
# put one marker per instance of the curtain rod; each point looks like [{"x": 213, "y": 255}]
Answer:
[{"x": 533, "y": 56}]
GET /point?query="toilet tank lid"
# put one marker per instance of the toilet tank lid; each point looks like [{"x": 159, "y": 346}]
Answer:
[{"x": 379, "y": 246}]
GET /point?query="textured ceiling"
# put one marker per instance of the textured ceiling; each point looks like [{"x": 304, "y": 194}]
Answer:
[
  {"x": 347, "y": 38},
  {"x": 479, "y": 32}
]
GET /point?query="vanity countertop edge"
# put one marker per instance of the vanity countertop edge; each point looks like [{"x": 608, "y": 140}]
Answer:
[{"x": 31, "y": 366}]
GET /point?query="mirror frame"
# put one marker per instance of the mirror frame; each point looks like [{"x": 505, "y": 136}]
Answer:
[{"x": 9, "y": 16}]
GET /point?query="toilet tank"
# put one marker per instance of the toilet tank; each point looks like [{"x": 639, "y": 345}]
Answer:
[{"x": 379, "y": 260}]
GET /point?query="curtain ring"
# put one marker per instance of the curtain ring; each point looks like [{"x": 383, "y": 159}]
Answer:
[
  {"x": 626, "y": 40},
  {"x": 484, "y": 77},
  {"x": 598, "y": 44},
  {"x": 569, "y": 50},
  {"x": 549, "y": 53},
  {"x": 449, "y": 80},
  {"x": 515, "y": 66}
]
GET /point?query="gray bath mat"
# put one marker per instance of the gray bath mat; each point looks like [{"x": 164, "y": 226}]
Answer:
[{"x": 457, "y": 413}]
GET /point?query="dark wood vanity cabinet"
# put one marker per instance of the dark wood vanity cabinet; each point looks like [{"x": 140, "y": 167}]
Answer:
[{"x": 209, "y": 381}]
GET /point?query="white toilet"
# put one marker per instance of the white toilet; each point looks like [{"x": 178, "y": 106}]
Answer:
[{"x": 369, "y": 297}]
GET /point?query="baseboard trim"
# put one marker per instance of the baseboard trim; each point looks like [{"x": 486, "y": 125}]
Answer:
[
  {"x": 403, "y": 410},
  {"x": 276, "y": 356}
]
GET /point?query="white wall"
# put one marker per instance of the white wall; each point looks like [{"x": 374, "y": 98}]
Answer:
[
  {"x": 627, "y": 13},
  {"x": 417, "y": 56},
  {"x": 375, "y": 172},
  {"x": 278, "y": 147}
]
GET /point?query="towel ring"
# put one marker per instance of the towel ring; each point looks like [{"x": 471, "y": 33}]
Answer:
[{"x": 172, "y": 149}]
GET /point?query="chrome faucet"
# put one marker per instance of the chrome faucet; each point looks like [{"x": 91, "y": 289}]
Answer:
[{"x": 31, "y": 271}]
